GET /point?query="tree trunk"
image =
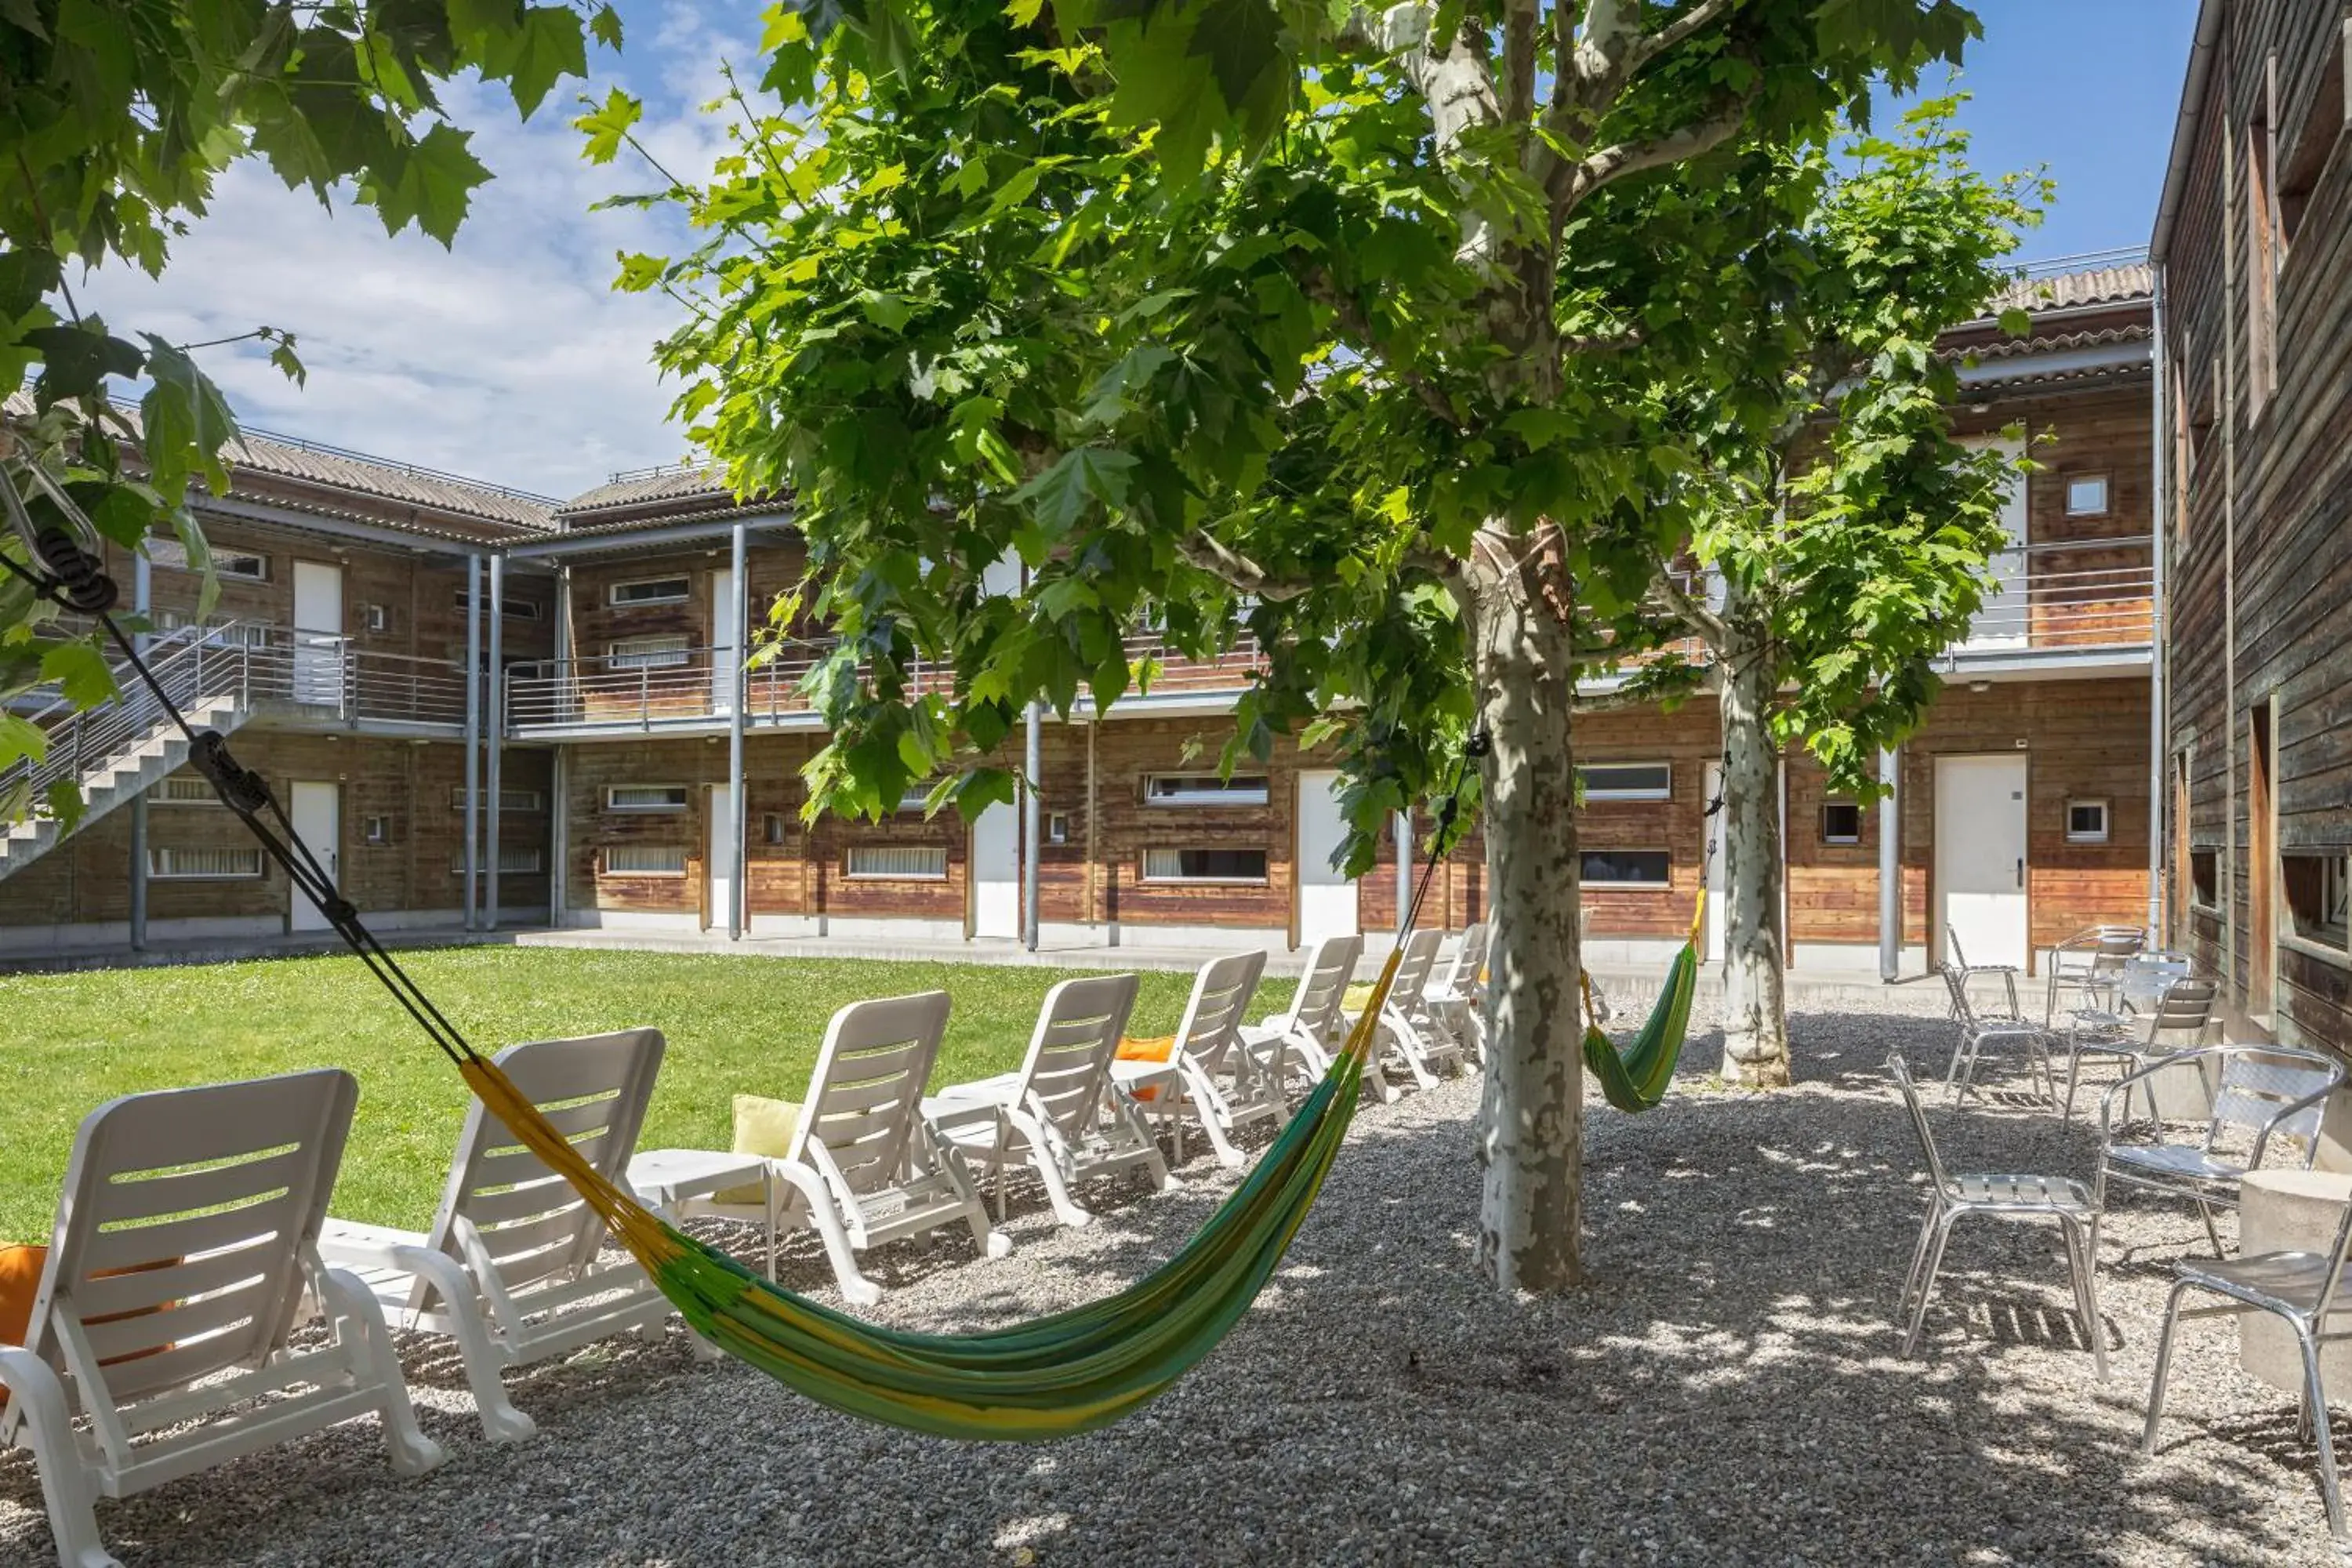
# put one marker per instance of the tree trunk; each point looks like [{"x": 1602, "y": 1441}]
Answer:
[
  {"x": 1531, "y": 1125},
  {"x": 1755, "y": 1007}
]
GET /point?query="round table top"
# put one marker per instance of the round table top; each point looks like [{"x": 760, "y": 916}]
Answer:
[{"x": 2334, "y": 1187}]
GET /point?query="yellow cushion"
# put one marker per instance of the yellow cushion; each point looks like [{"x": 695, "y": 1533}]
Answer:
[{"x": 763, "y": 1127}]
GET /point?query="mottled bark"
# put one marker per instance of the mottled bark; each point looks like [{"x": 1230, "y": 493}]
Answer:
[
  {"x": 1755, "y": 1008},
  {"x": 1531, "y": 1124}
]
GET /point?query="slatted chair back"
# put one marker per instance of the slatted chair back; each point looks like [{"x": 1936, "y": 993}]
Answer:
[
  {"x": 1212, "y": 1015},
  {"x": 1067, "y": 1073},
  {"x": 1956, "y": 981},
  {"x": 2268, "y": 1092},
  {"x": 503, "y": 1211},
  {"x": 865, "y": 1091},
  {"x": 1316, "y": 1007},
  {"x": 1420, "y": 951},
  {"x": 2186, "y": 1007},
  {"x": 184, "y": 1229},
  {"x": 2114, "y": 945},
  {"x": 1900, "y": 1072},
  {"x": 1469, "y": 957}
]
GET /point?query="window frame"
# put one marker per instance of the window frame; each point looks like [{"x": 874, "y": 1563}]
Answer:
[
  {"x": 2106, "y": 830},
  {"x": 618, "y": 655},
  {"x": 173, "y": 556},
  {"x": 1223, "y": 794},
  {"x": 2208, "y": 900},
  {"x": 1646, "y": 795},
  {"x": 163, "y": 853},
  {"x": 538, "y": 866},
  {"x": 375, "y": 831},
  {"x": 685, "y": 800},
  {"x": 2329, "y": 886},
  {"x": 612, "y": 591},
  {"x": 2100, "y": 477},
  {"x": 203, "y": 795},
  {"x": 1861, "y": 822},
  {"x": 605, "y": 867},
  {"x": 1146, "y": 876},
  {"x": 1664, "y": 884},
  {"x": 522, "y": 801},
  {"x": 850, "y": 853}
]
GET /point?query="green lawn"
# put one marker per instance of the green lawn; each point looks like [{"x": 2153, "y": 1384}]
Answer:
[{"x": 734, "y": 1024}]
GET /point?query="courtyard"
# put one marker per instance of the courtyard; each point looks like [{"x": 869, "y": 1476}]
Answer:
[{"x": 1728, "y": 1389}]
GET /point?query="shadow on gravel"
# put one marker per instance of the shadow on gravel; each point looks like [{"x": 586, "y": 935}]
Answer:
[{"x": 1728, "y": 1391}]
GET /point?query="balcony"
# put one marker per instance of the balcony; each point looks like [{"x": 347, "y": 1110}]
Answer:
[
  {"x": 2063, "y": 603},
  {"x": 689, "y": 690}
]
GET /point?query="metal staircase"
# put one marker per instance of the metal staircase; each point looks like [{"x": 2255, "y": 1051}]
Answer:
[{"x": 119, "y": 750}]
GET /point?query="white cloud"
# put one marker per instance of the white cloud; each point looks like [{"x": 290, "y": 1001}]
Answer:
[{"x": 507, "y": 358}]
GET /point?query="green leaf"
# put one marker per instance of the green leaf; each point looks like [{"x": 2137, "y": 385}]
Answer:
[
  {"x": 549, "y": 45},
  {"x": 76, "y": 360},
  {"x": 431, "y": 183},
  {"x": 81, "y": 672},
  {"x": 609, "y": 126},
  {"x": 1059, "y": 496},
  {"x": 604, "y": 26}
]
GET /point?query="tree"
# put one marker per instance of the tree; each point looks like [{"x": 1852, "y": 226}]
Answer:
[
  {"x": 1240, "y": 315},
  {"x": 1850, "y": 535},
  {"x": 116, "y": 117}
]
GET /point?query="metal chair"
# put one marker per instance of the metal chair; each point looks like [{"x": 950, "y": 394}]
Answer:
[
  {"x": 2061, "y": 1198},
  {"x": 1974, "y": 1028},
  {"x": 2091, "y": 964},
  {"x": 2185, "y": 1007},
  {"x": 2262, "y": 1092},
  {"x": 1960, "y": 961},
  {"x": 2299, "y": 1287}
]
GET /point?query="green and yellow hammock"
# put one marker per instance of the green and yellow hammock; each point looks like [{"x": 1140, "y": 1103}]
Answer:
[
  {"x": 1636, "y": 1078},
  {"x": 1050, "y": 1377}
]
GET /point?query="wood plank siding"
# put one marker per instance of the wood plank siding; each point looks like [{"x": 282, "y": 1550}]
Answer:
[{"x": 2258, "y": 337}]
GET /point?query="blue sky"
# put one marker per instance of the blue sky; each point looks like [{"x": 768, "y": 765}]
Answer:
[{"x": 510, "y": 359}]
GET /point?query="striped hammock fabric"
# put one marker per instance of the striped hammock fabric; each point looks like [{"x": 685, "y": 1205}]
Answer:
[
  {"x": 1636, "y": 1078},
  {"x": 1050, "y": 1377}
]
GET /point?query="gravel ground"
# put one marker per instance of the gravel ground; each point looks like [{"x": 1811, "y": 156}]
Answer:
[{"x": 1728, "y": 1391}]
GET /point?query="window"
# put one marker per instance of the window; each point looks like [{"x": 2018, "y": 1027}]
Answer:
[
  {"x": 1204, "y": 865},
  {"x": 667, "y": 652},
  {"x": 1057, "y": 827},
  {"x": 1628, "y": 867},
  {"x": 2318, "y": 889},
  {"x": 378, "y": 617},
  {"x": 520, "y": 859},
  {"x": 2324, "y": 125},
  {"x": 772, "y": 829},
  {"x": 918, "y": 796},
  {"x": 378, "y": 830},
  {"x": 509, "y": 609},
  {"x": 2086, "y": 822},
  {"x": 1204, "y": 789},
  {"x": 1840, "y": 822},
  {"x": 644, "y": 798},
  {"x": 2205, "y": 878},
  {"x": 245, "y": 564},
  {"x": 188, "y": 789},
  {"x": 2086, "y": 495},
  {"x": 204, "y": 864},
  {"x": 508, "y": 799},
  {"x": 1627, "y": 780},
  {"x": 902, "y": 862},
  {"x": 649, "y": 591},
  {"x": 645, "y": 860}
]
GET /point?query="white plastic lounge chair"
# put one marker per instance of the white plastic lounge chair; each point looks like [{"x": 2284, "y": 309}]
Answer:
[
  {"x": 864, "y": 1166},
  {"x": 1061, "y": 1110},
  {"x": 1408, "y": 1039},
  {"x": 511, "y": 1267},
  {"x": 1209, "y": 1077},
  {"x": 186, "y": 1238},
  {"x": 1301, "y": 1041},
  {"x": 1451, "y": 1000}
]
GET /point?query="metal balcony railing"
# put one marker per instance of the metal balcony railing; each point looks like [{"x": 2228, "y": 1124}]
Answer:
[
  {"x": 689, "y": 686},
  {"x": 330, "y": 678},
  {"x": 78, "y": 741},
  {"x": 2068, "y": 594}
]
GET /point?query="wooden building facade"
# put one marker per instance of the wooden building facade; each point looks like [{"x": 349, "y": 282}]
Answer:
[{"x": 2254, "y": 248}]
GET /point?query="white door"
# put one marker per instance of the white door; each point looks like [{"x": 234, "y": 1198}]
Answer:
[
  {"x": 726, "y": 648},
  {"x": 720, "y": 855},
  {"x": 1980, "y": 858},
  {"x": 1327, "y": 900},
  {"x": 2003, "y": 620},
  {"x": 316, "y": 811},
  {"x": 1718, "y": 908},
  {"x": 318, "y": 634},
  {"x": 996, "y": 873}
]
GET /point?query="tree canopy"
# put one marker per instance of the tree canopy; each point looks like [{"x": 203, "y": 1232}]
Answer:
[{"x": 118, "y": 116}]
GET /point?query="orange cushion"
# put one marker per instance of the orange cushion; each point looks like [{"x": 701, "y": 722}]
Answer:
[
  {"x": 1156, "y": 1049},
  {"x": 20, "y": 1279}
]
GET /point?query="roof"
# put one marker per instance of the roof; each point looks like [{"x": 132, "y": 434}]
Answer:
[
  {"x": 644, "y": 487},
  {"x": 2057, "y": 343},
  {"x": 2203, "y": 48},
  {"x": 2114, "y": 283},
  {"x": 289, "y": 456}
]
